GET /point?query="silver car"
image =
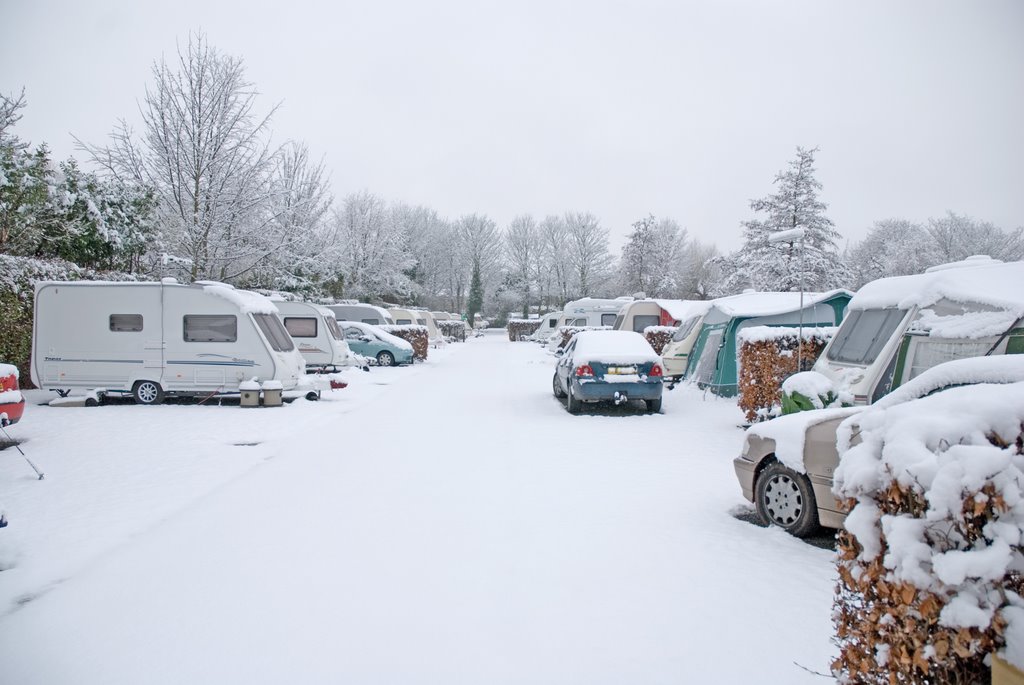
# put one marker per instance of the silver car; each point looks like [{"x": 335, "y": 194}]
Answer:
[{"x": 786, "y": 465}]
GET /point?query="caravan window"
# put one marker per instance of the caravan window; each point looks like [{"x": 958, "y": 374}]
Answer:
[
  {"x": 274, "y": 332},
  {"x": 685, "y": 328},
  {"x": 608, "y": 319},
  {"x": 332, "y": 326},
  {"x": 640, "y": 322},
  {"x": 375, "y": 322},
  {"x": 863, "y": 335},
  {"x": 928, "y": 353},
  {"x": 300, "y": 326},
  {"x": 126, "y": 323},
  {"x": 404, "y": 322},
  {"x": 210, "y": 328}
]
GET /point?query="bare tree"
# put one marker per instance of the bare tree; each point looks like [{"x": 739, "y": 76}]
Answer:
[
  {"x": 587, "y": 253},
  {"x": 373, "y": 256},
  {"x": 522, "y": 246},
  {"x": 652, "y": 258},
  {"x": 554, "y": 280},
  {"x": 299, "y": 243},
  {"x": 205, "y": 152}
]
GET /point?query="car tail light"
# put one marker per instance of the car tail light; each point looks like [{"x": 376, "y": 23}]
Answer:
[
  {"x": 656, "y": 371},
  {"x": 584, "y": 370}
]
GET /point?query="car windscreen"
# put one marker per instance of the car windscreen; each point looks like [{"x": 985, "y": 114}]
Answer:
[
  {"x": 863, "y": 335},
  {"x": 273, "y": 330}
]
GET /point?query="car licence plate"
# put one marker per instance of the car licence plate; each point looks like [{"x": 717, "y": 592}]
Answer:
[{"x": 621, "y": 370}]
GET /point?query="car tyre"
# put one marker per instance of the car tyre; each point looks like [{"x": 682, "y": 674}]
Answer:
[
  {"x": 654, "y": 406},
  {"x": 571, "y": 403},
  {"x": 147, "y": 392},
  {"x": 556, "y": 387},
  {"x": 385, "y": 358},
  {"x": 784, "y": 498}
]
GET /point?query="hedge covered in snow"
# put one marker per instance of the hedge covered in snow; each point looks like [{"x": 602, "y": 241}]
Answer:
[
  {"x": 452, "y": 329},
  {"x": 767, "y": 356},
  {"x": 18, "y": 276},
  {"x": 417, "y": 336},
  {"x": 568, "y": 331},
  {"x": 930, "y": 563},
  {"x": 659, "y": 336},
  {"x": 521, "y": 329}
]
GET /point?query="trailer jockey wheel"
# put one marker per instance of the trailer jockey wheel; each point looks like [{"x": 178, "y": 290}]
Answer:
[{"x": 147, "y": 392}]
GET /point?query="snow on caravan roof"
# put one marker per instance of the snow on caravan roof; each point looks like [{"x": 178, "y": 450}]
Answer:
[
  {"x": 681, "y": 310},
  {"x": 989, "y": 282},
  {"x": 768, "y": 304},
  {"x": 246, "y": 301}
]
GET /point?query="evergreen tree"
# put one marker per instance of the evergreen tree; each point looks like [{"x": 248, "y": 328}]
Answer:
[
  {"x": 476, "y": 294},
  {"x": 765, "y": 266}
]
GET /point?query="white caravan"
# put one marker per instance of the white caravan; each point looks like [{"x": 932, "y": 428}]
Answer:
[
  {"x": 897, "y": 327},
  {"x": 548, "y": 327},
  {"x": 315, "y": 331},
  {"x": 364, "y": 313},
  {"x": 156, "y": 339}
]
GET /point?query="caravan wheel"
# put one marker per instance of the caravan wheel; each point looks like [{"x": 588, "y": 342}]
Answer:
[{"x": 147, "y": 392}]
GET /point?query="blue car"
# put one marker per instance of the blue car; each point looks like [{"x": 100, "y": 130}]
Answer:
[
  {"x": 608, "y": 366},
  {"x": 375, "y": 343}
]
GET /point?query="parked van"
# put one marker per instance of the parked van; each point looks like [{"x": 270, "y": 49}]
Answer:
[
  {"x": 366, "y": 313},
  {"x": 151, "y": 340},
  {"x": 591, "y": 311},
  {"x": 317, "y": 335},
  {"x": 898, "y": 327}
]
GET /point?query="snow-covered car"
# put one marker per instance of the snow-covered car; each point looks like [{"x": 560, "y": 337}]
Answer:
[
  {"x": 787, "y": 464},
  {"x": 608, "y": 366},
  {"x": 375, "y": 343},
  {"x": 12, "y": 402}
]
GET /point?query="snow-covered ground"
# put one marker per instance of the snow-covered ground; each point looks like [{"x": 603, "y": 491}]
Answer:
[{"x": 445, "y": 523}]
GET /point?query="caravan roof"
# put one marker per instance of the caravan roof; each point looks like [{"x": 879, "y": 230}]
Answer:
[
  {"x": 985, "y": 281},
  {"x": 771, "y": 303}
]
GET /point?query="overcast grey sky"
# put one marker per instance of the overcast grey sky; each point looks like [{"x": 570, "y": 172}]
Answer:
[{"x": 681, "y": 109}]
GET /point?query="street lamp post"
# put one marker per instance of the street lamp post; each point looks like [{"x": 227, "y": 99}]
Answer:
[{"x": 791, "y": 236}]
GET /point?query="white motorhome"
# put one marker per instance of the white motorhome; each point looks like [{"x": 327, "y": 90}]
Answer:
[
  {"x": 592, "y": 311},
  {"x": 151, "y": 340},
  {"x": 897, "y": 327},
  {"x": 315, "y": 331},
  {"x": 363, "y": 313}
]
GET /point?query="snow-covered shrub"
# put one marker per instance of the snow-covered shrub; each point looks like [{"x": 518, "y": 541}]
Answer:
[
  {"x": 811, "y": 390},
  {"x": 767, "y": 356},
  {"x": 452, "y": 329},
  {"x": 521, "y": 329},
  {"x": 566, "y": 333},
  {"x": 417, "y": 336},
  {"x": 930, "y": 560},
  {"x": 659, "y": 336}
]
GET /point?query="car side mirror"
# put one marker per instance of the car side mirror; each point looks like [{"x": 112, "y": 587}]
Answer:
[
  {"x": 559, "y": 353},
  {"x": 363, "y": 338}
]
